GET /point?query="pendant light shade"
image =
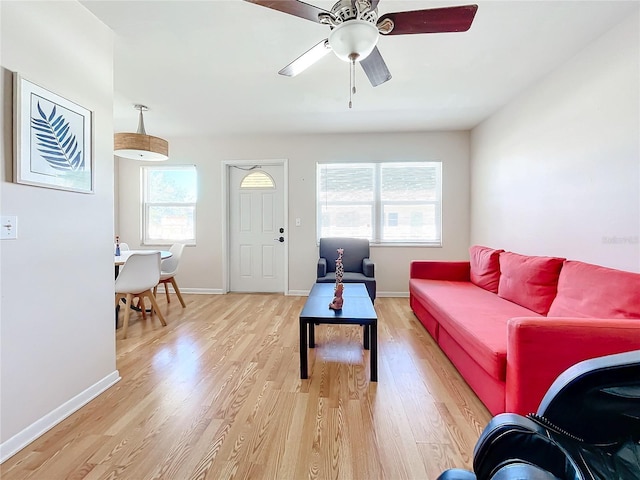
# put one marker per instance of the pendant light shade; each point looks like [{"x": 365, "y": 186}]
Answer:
[{"x": 139, "y": 145}]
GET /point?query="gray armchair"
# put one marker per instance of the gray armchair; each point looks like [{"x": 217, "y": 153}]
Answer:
[{"x": 358, "y": 267}]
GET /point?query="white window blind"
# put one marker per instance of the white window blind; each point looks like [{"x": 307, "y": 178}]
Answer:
[
  {"x": 391, "y": 202},
  {"x": 169, "y": 204}
]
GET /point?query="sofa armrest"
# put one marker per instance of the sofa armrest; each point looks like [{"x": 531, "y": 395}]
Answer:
[
  {"x": 453, "y": 271},
  {"x": 322, "y": 267},
  {"x": 368, "y": 267},
  {"x": 539, "y": 349}
]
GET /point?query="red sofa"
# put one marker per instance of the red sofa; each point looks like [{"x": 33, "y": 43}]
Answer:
[{"x": 512, "y": 323}]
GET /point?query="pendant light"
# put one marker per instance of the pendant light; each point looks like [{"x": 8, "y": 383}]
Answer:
[{"x": 139, "y": 145}]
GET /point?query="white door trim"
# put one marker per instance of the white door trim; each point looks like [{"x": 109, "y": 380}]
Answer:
[{"x": 226, "y": 168}]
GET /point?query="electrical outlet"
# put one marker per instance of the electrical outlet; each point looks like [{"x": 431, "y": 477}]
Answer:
[
  {"x": 8, "y": 227},
  {"x": 298, "y": 222}
]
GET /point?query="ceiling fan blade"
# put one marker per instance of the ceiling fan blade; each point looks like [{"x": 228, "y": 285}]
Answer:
[
  {"x": 307, "y": 59},
  {"x": 433, "y": 20},
  {"x": 375, "y": 68},
  {"x": 293, "y": 7}
]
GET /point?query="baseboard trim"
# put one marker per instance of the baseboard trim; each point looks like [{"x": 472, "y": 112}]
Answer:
[
  {"x": 195, "y": 291},
  {"x": 305, "y": 293},
  {"x": 50, "y": 420},
  {"x": 393, "y": 294},
  {"x": 298, "y": 293},
  {"x": 292, "y": 293}
]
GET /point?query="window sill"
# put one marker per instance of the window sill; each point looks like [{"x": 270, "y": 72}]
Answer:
[
  {"x": 405, "y": 245},
  {"x": 166, "y": 244}
]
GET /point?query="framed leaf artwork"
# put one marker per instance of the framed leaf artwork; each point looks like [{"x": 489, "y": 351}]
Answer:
[{"x": 53, "y": 146}]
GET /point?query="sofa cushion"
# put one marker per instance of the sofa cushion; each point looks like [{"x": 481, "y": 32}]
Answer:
[
  {"x": 586, "y": 290},
  {"x": 529, "y": 281},
  {"x": 485, "y": 267},
  {"x": 475, "y": 318}
]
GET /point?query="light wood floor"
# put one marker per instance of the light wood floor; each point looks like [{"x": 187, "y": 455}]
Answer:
[{"x": 217, "y": 395}]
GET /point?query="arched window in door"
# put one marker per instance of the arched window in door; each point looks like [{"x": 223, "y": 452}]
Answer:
[{"x": 258, "y": 180}]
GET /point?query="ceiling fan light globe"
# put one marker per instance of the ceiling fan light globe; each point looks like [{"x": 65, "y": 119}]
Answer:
[{"x": 353, "y": 38}]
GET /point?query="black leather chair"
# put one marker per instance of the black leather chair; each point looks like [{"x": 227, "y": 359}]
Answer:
[
  {"x": 511, "y": 471},
  {"x": 587, "y": 427},
  {"x": 358, "y": 267}
]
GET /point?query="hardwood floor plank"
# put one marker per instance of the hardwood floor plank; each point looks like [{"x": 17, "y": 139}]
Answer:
[
  {"x": 427, "y": 425},
  {"x": 205, "y": 466},
  {"x": 217, "y": 394},
  {"x": 294, "y": 435},
  {"x": 202, "y": 450},
  {"x": 438, "y": 457},
  {"x": 270, "y": 445},
  {"x": 400, "y": 456},
  {"x": 338, "y": 462},
  {"x": 361, "y": 436}
]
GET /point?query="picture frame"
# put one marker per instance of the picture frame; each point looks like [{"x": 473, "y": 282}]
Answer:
[{"x": 53, "y": 145}]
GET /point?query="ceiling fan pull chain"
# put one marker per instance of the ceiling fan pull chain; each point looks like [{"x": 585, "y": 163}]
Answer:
[
  {"x": 353, "y": 71},
  {"x": 352, "y": 78},
  {"x": 350, "y": 84}
]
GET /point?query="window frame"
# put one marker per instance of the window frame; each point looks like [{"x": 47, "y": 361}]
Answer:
[
  {"x": 377, "y": 204},
  {"x": 145, "y": 205}
]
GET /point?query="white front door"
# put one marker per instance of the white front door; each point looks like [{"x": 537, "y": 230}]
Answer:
[{"x": 256, "y": 228}]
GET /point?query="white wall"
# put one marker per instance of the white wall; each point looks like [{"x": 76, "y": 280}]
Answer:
[
  {"x": 557, "y": 171},
  {"x": 57, "y": 342},
  {"x": 201, "y": 266}
]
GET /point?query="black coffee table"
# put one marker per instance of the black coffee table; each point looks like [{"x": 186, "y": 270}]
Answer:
[{"x": 357, "y": 310}]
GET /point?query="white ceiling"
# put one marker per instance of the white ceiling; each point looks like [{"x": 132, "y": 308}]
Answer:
[{"x": 210, "y": 67}]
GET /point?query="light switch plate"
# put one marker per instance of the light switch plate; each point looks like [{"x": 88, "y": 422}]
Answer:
[{"x": 8, "y": 227}]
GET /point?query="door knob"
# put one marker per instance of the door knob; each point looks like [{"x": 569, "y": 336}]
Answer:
[{"x": 280, "y": 239}]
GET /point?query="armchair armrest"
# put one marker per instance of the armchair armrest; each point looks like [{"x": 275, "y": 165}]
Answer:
[
  {"x": 454, "y": 271},
  {"x": 368, "y": 267},
  {"x": 539, "y": 349},
  {"x": 515, "y": 447},
  {"x": 322, "y": 267}
]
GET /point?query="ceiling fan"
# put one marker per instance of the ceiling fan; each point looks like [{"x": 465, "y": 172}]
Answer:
[{"x": 356, "y": 27}]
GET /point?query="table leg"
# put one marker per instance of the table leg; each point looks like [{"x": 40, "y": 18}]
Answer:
[
  {"x": 303, "y": 349},
  {"x": 365, "y": 334},
  {"x": 374, "y": 351},
  {"x": 312, "y": 335},
  {"x": 117, "y": 271}
]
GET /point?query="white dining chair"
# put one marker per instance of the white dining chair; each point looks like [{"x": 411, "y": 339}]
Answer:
[
  {"x": 138, "y": 276},
  {"x": 123, "y": 247},
  {"x": 168, "y": 272}
]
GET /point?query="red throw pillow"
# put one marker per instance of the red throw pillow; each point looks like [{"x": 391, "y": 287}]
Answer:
[
  {"x": 485, "y": 267},
  {"x": 586, "y": 290},
  {"x": 529, "y": 281}
]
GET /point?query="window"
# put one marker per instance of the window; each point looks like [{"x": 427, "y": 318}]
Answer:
[
  {"x": 257, "y": 180},
  {"x": 169, "y": 204},
  {"x": 392, "y": 202}
]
